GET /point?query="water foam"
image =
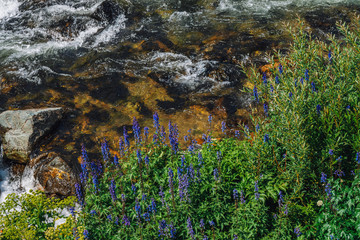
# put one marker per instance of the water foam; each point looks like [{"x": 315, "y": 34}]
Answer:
[{"x": 8, "y": 8}]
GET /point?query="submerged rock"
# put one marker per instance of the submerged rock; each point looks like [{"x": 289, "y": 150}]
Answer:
[
  {"x": 21, "y": 130},
  {"x": 53, "y": 174},
  {"x": 107, "y": 11}
]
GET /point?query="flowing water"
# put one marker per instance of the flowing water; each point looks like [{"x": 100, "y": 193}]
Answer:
[{"x": 178, "y": 57}]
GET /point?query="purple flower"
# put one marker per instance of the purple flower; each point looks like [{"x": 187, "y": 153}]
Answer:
[
  {"x": 330, "y": 57},
  {"x": 277, "y": 81},
  {"x": 286, "y": 210},
  {"x": 112, "y": 190},
  {"x": 205, "y": 237},
  {"x": 171, "y": 180},
  {"x": 138, "y": 154},
  {"x": 280, "y": 69},
  {"x": 123, "y": 198},
  {"x": 257, "y": 195},
  {"x": 202, "y": 224},
  {"x": 223, "y": 127},
  {"x": 306, "y": 74},
  {"x": 86, "y": 234},
  {"x": 146, "y": 159},
  {"x": 72, "y": 211},
  {"x": 266, "y": 138},
  {"x": 331, "y": 152},
  {"x": 295, "y": 82},
  {"x": 93, "y": 212},
  {"x": 297, "y": 232},
  {"x": 116, "y": 161},
  {"x": 190, "y": 228},
  {"x": 318, "y": 109},
  {"x": 313, "y": 88},
  {"x": 264, "y": 79},
  {"x": 109, "y": 217},
  {"x": 153, "y": 206},
  {"x": 257, "y": 127},
  {"x": 210, "y": 120},
  {"x": 271, "y": 88},
  {"x": 339, "y": 173},
  {"x": 302, "y": 80},
  {"x": 173, "y": 137},
  {"x": 183, "y": 187},
  {"x": 266, "y": 109},
  {"x": 357, "y": 159},
  {"x": 146, "y": 133},
  {"x": 290, "y": 95},
  {"x": 328, "y": 190},
  {"x": 212, "y": 224},
  {"x": 137, "y": 208},
  {"x": 96, "y": 184},
  {"x": 79, "y": 194},
  {"x": 237, "y": 134},
  {"x": 216, "y": 174},
  {"x": 235, "y": 237},
  {"x": 133, "y": 188},
  {"x": 242, "y": 197},
  {"x": 146, "y": 216},
  {"x": 255, "y": 92},
  {"x": 162, "y": 228},
  {"x": 105, "y": 150},
  {"x": 156, "y": 123},
  {"x": 281, "y": 199},
  {"x": 125, "y": 220},
  {"x": 323, "y": 177},
  {"x": 136, "y": 131},
  {"x": 235, "y": 194},
  {"x": 126, "y": 138},
  {"x": 200, "y": 159},
  {"x": 121, "y": 147},
  {"x": 162, "y": 195}
]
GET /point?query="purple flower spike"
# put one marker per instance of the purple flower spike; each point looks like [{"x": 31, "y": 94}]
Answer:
[
  {"x": 190, "y": 228},
  {"x": 256, "y": 96}
]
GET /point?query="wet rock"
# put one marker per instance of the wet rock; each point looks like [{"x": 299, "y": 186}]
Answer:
[
  {"x": 53, "y": 174},
  {"x": 36, "y": 4},
  {"x": 22, "y": 129},
  {"x": 107, "y": 11}
]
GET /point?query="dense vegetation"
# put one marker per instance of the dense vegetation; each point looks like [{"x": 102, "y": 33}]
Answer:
[{"x": 293, "y": 174}]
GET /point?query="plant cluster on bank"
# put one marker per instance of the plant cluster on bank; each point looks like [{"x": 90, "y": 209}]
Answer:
[{"x": 293, "y": 174}]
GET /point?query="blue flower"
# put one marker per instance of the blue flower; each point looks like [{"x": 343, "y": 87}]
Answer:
[
  {"x": 264, "y": 79},
  {"x": 266, "y": 109},
  {"x": 313, "y": 88},
  {"x": 297, "y": 232},
  {"x": 255, "y": 92},
  {"x": 330, "y": 57},
  {"x": 136, "y": 131},
  {"x": 212, "y": 224},
  {"x": 323, "y": 177},
  {"x": 357, "y": 159},
  {"x": 328, "y": 190},
  {"x": 318, "y": 109},
  {"x": 112, "y": 190},
  {"x": 190, "y": 228},
  {"x": 331, "y": 152},
  {"x": 277, "y": 81},
  {"x": 156, "y": 123},
  {"x": 125, "y": 220},
  {"x": 257, "y": 195},
  {"x": 86, "y": 234},
  {"x": 266, "y": 138},
  {"x": 307, "y": 75},
  {"x": 223, "y": 127},
  {"x": 280, "y": 69}
]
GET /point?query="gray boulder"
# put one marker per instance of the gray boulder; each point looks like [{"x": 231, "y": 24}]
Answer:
[{"x": 21, "y": 130}]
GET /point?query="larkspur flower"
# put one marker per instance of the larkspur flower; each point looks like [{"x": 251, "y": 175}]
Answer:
[
  {"x": 202, "y": 224},
  {"x": 210, "y": 120},
  {"x": 328, "y": 190},
  {"x": 242, "y": 197},
  {"x": 133, "y": 188},
  {"x": 223, "y": 127},
  {"x": 163, "y": 134},
  {"x": 313, "y": 88},
  {"x": 153, "y": 206},
  {"x": 162, "y": 195},
  {"x": 156, "y": 123},
  {"x": 281, "y": 199},
  {"x": 307, "y": 75},
  {"x": 112, "y": 189},
  {"x": 271, "y": 88},
  {"x": 264, "y": 79},
  {"x": 72, "y": 211},
  {"x": 171, "y": 180},
  {"x": 339, "y": 173},
  {"x": 146, "y": 133},
  {"x": 190, "y": 228},
  {"x": 121, "y": 147},
  {"x": 162, "y": 228},
  {"x": 205, "y": 237},
  {"x": 146, "y": 216},
  {"x": 266, "y": 138},
  {"x": 125, "y": 221},
  {"x": 136, "y": 130},
  {"x": 212, "y": 224},
  {"x": 216, "y": 174},
  {"x": 146, "y": 160},
  {"x": 257, "y": 195},
  {"x": 126, "y": 138},
  {"x": 235, "y": 194},
  {"x": 105, "y": 150},
  {"x": 143, "y": 198},
  {"x": 109, "y": 217},
  {"x": 255, "y": 93},
  {"x": 331, "y": 152},
  {"x": 302, "y": 80},
  {"x": 318, "y": 109},
  {"x": 183, "y": 187},
  {"x": 280, "y": 69},
  {"x": 200, "y": 159},
  {"x": 123, "y": 198},
  {"x": 116, "y": 161},
  {"x": 295, "y": 82},
  {"x": 290, "y": 95},
  {"x": 173, "y": 137},
  {"x": 323, "y": 177},
  {"x": 86, "y": 234},
  {"x": 96, "y": 184},
  {"x": 79, "y": 194},
  {"x": 286, "y": 210},
  {"x": 257, "y": 127},
  {"x": 138, "y": 154},
  {"x": 357, "y": 159},
  {"x": 277, "y": 81},
  {"x": 330, "y": 57},
  {"x": 75, "y": 233},
  {"x": 297, "y": 232},
  {"x": 172, "y": 231},
  {"x": 266, "y": 109},
  {"x": 237, "y": 134},
  {"x": 235, "y": 237},
  {"x": 93, "y": 212},
  {"x": 137, "y": 208}
]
